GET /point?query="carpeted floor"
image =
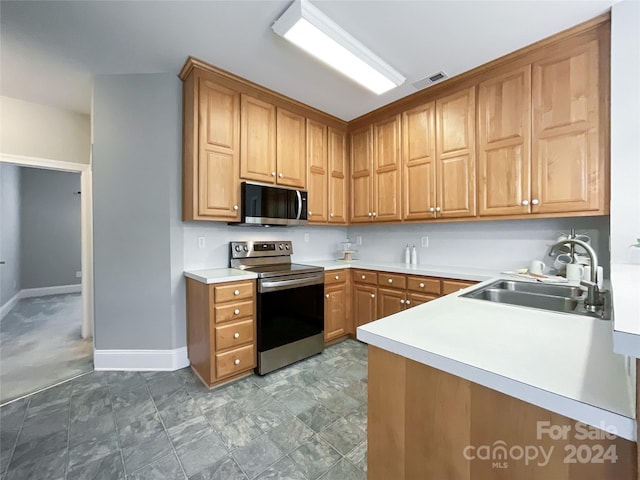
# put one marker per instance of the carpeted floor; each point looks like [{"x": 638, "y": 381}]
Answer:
[{"x": 41, "y": 345}]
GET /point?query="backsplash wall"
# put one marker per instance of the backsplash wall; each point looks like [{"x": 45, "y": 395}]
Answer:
[
  {"x": 323, "y": 242},
  {"x": 504, "y": 244}
]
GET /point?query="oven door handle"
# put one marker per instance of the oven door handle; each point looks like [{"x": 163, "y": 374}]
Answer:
[
  {"x": 299, "y": 195},
  {"x": 265, "y": 286}
]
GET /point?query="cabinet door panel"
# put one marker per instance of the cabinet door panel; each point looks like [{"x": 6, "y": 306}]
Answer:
[
  {"x": 335, "y": 312},
  {"x": 419, "y": 169},
  {"x": 361, "y": 176},
  {"x": 415, "y": 299},
  {"x": 218, "y": 188},
  {"x": 338, "y": 195},
  {"x": 317, "y": 171},
  {"x": 387, "y": 172},
  {"x": 364, "y": 304},
  {"x": 455, "y": 154},
  {"x": 258, "y": 140},
  {"x": 291, "y": 150},
  {"x": 390, "y": 301},
  {"x": 504, "y": 129},
  {"x": 568, "y": 173}
]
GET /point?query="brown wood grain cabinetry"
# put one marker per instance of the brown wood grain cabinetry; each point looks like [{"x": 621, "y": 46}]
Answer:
[
  {"x": 338, "y": 176},
  {"x": 317, "y": 172},
  {"x": 221, "y": 330},
  {"x": 419, "y": 167},
  {"x": 364, "y": 304},
  {"x": 258, "y": 140},
  {"x": 390, "y": 301},
  {"x": 337, "y": 314},
  {"x": 362, "y": 175},
  {"x": 451, "y": 286},
  {"x": 504, "y": 143},
  {"x": 455, "y": 154},
  {"x": 290, "y": 149},
  {"x": 387, "y": 171}
]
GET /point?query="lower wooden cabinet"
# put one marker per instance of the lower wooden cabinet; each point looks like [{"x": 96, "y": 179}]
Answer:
[
  {"x": 221, "y": 330},
  {"x": 364, "y": 304},
  {"x": 337, "y": 314},
  {"x": 390, "y": 301}
]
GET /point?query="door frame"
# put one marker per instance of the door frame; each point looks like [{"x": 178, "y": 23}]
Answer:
[{"x": 86, "y": 229}]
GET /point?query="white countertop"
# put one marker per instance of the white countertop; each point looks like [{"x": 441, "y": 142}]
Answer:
[
  {"x": 560, "y": 362},
  {"x": 625, "y": 289},
  {"x": 219, "y": 275}
]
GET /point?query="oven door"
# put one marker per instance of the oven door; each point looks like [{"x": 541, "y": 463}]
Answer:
[
  {"x": 290, "y": 309},
  {"x": 264, "y": 205}
]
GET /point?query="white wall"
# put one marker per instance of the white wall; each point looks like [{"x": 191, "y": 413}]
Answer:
[
  {"x": 10, "y": 283},
  {"x": 504, "y": 244},
  {"x": 625, "y": 131},
  {"x": 34, "y": 130}
]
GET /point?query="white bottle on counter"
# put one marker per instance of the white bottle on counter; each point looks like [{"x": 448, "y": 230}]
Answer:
[
  {"x": 414, "y": 256},
  {"x": 407, "y": 254}
]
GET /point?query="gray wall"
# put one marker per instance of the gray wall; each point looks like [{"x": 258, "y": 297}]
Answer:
[
  {"x": 9, "y": 232},
  {"x": 137, "y": 253},
  {"x": 50, "y": 228}
]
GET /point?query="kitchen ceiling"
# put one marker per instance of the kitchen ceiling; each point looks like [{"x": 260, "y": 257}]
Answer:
[{"x": 50, "y": 50}]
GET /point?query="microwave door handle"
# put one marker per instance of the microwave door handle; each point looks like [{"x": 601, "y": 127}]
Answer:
[{"x": 299, "y": 195}]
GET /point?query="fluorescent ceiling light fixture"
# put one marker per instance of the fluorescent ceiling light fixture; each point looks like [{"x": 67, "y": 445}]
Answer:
[{"x": 310, "y": 29}]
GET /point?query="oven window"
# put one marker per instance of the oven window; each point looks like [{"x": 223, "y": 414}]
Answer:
[{"x": 286, "y": 316}]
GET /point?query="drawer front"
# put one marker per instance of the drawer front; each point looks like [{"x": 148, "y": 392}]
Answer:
[
  {"x": 392, "y": 280},
  {"x": 450, "y": 286},
  {"x": 365, "y": 276},
  {"x": 234, "y": 311},
  {"x": 424, "y": 285},
  {"x": 414, "y": 299},
  {"x": 234, "y": 334},
  {"x": 233, "y": 291},
  {"x": 235, "y": 361},
  {"x": 335, "y": 276}
]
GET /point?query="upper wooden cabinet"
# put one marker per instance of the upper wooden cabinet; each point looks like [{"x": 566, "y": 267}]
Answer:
[
  {"x": 211, "y": 147},
  {"x": 317, "y": 169},
  {"x": 455, "y": 154},
  {"x": 504, "y": 139},
  {"x": 361, "y": 175},
  {"x": 387, "y": 178},
  {"x": 419, "y": 168},
  {"x": 338, "y": 180},
  {"x": 258, "y": 135},
  {"x": 291, "y": 151},
  {"x": 568, "y": 172}
]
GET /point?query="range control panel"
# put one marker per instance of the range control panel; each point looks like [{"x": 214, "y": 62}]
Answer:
[{"x": 260, "y": 249}]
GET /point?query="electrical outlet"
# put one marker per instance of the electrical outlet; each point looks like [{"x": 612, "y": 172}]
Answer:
[
  {"x": 201, "y": 242},
  {"x": 425, "y": 242},
  {"x": 306, "y": 238},
  {"x": 78, "y": 274},
  {"x": 358, "y": 239}
]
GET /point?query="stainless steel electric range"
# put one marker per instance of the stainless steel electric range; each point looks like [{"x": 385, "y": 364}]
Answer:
[{"x": 290, "y": 303}]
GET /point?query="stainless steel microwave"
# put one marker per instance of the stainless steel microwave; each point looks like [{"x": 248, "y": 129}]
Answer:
[{"x": 266, "y": 205}]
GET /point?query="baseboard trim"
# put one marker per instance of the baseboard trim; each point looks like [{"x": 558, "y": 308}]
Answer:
[
  {"x": 141, "y": 360},
  {"x": 9, "y": 304},
  {"x": 57, "y": 290}
]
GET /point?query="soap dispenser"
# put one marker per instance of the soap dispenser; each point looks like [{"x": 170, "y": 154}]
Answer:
[
  {"x": 407, "y": 254},
  {"x": 414, "y": 256}
]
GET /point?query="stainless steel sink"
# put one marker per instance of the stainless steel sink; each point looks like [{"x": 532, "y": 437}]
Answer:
[{"x": 555, "y": 298}]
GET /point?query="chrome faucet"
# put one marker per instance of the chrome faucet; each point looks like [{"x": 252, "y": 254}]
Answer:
[{"x": 593, "y": 301}]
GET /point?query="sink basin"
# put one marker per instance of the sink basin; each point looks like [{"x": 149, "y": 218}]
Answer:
[{"x": 568, "y": 291}]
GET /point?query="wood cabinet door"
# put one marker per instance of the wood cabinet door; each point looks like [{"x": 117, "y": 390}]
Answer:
[
  {"x": 364, "y": 304},
  {"x": 390, "y": 301},
  {"x": 387, "y": 172},
  {"x": 338, "y": 194},
  {"x": 568, "y": 172},
  {"x": 418, "y": 157},
  {"x": 219, "y": 145},
  {"x": 504, "y": 156},
  {"x": 455, "y": 154},
  {"x": 317, "y": 172},
  {"x": 258, "y": 140},
  {"x": 335, "y": 311},
  {"x": 361, "y": 175},
  {"x": 290, "y": 151},
  {"x": 414, "y": 299}
]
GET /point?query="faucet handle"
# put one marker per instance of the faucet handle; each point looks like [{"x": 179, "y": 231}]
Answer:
[{"x": 588, "y": 283}]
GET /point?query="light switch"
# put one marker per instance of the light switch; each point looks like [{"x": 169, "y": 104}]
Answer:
[
  {"x": 306, "y": 237},
  {"x": 358, "y": 239},
  {"x": 201, "y": 242},
  {"x": 78, "y": 274},
  {"x": 425, "y": 242}
]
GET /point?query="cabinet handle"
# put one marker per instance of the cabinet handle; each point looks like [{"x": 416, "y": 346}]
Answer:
[
  {"x": 273, "y": 174},
  {"x": 421, "y": 285},
  {"x": 235, "y": 207},
  {"x": 310, "y": 213},
  {"x": 408, "y": 302},
  {"x": 370, "y": 214},
  {"x": 363, "y": 277},
  {"x": 337, "y": 277},
  {"x": 432, "y": 209},
  {"x": 402, "y": 302},
  {"x": 390, "y": 280},
  {"x": 535, "y": 201},
  {"x": 280, "y": 175},
  {"x": 236, "y": 361},
  {"x": 373, "y": 296},
  {"x": 438, "y": 209},
  {"x": 327, "y": 295},
  {"x": 375, "y": 214},
  {"x": 331, "y": 215},
  {"x": 236, "y": 335},
  {"x": 237, "y": 311},
  {"x": 525, "y": 203},
  {"x": 236, "y": 292}
]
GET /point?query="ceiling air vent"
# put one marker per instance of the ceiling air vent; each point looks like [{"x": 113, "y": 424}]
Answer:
[{"x": 430, "y": 80}]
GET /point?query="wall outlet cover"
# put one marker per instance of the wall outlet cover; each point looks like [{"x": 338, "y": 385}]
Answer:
[
  {"x": 201, "y": 242},
  {"x": 78, "y": 274},
  {"x": 425, "y": 242},
  {"x": 306, "y": 238},
  {"x": 358, "y": 239}
]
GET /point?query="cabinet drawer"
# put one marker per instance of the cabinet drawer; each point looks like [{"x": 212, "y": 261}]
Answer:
[
  {"x": 235, "y": 361},
  {"x": 414, "y": 299},
  {"x": 424, "y": 285},
  {"x": 392, "y": 280},
  {"x": 365, "y": 276},
  {"x": 233, "y": 311},
  {"x": 450, "y": 286},
  {"x": 335, "y": 276},
  {"x": 233, "y": 291},
  {"x": 234, "y": 334}
]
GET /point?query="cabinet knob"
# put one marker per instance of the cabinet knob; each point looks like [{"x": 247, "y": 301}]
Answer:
[
  {"x": 408, "y": 302},
  {"x": 236, "y": 292},
  {"x": 370, "y": 214},
  {"x": 237, "y": 311},
  {"x": 373, "y": 296},
  {"x": 236, "y": 335},
  {"x": 273, "y": 174},
  {"x": 438, "y": 209},
  {"x": 337, "y": 277},
  {"x": 327, "y": 295},
  {"x": 432, "y": 209},
  {"x": 390, "y": 280},
  {"x": 402, "y": 302},
  {"x": 375, "y": 214},
  {"x": 535, "y": 201},
  {"x": 363, "y": 277},
  {"x": 235, "y": 207},
  {"x": 310, "y": 213},
  {"x": 421, "y": 285},
  {"x": 280, "y": 175},
  {"x": 331, "y": 215},
  {"x": 525, "y": 203},
  {"x": 236, "y": 361}
]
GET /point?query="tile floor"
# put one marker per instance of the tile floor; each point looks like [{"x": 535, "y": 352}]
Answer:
[{"x": 307, "y": 421}]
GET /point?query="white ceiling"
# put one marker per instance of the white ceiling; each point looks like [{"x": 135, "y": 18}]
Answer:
[{"x": 50, "y": 50}]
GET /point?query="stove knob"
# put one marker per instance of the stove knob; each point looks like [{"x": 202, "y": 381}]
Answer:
[
  {"x": 287, "y": 246},
  {"x": 246, "y": 248},
  {"x": 281, "y": 247},
  {"x": 237, "y": 248}
]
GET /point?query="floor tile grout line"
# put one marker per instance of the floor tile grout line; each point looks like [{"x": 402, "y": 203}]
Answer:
[
  {"x": 66, "y": 464},
  {"x": 15, "y": 442},
  {"x": 115, "y": 423}
]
